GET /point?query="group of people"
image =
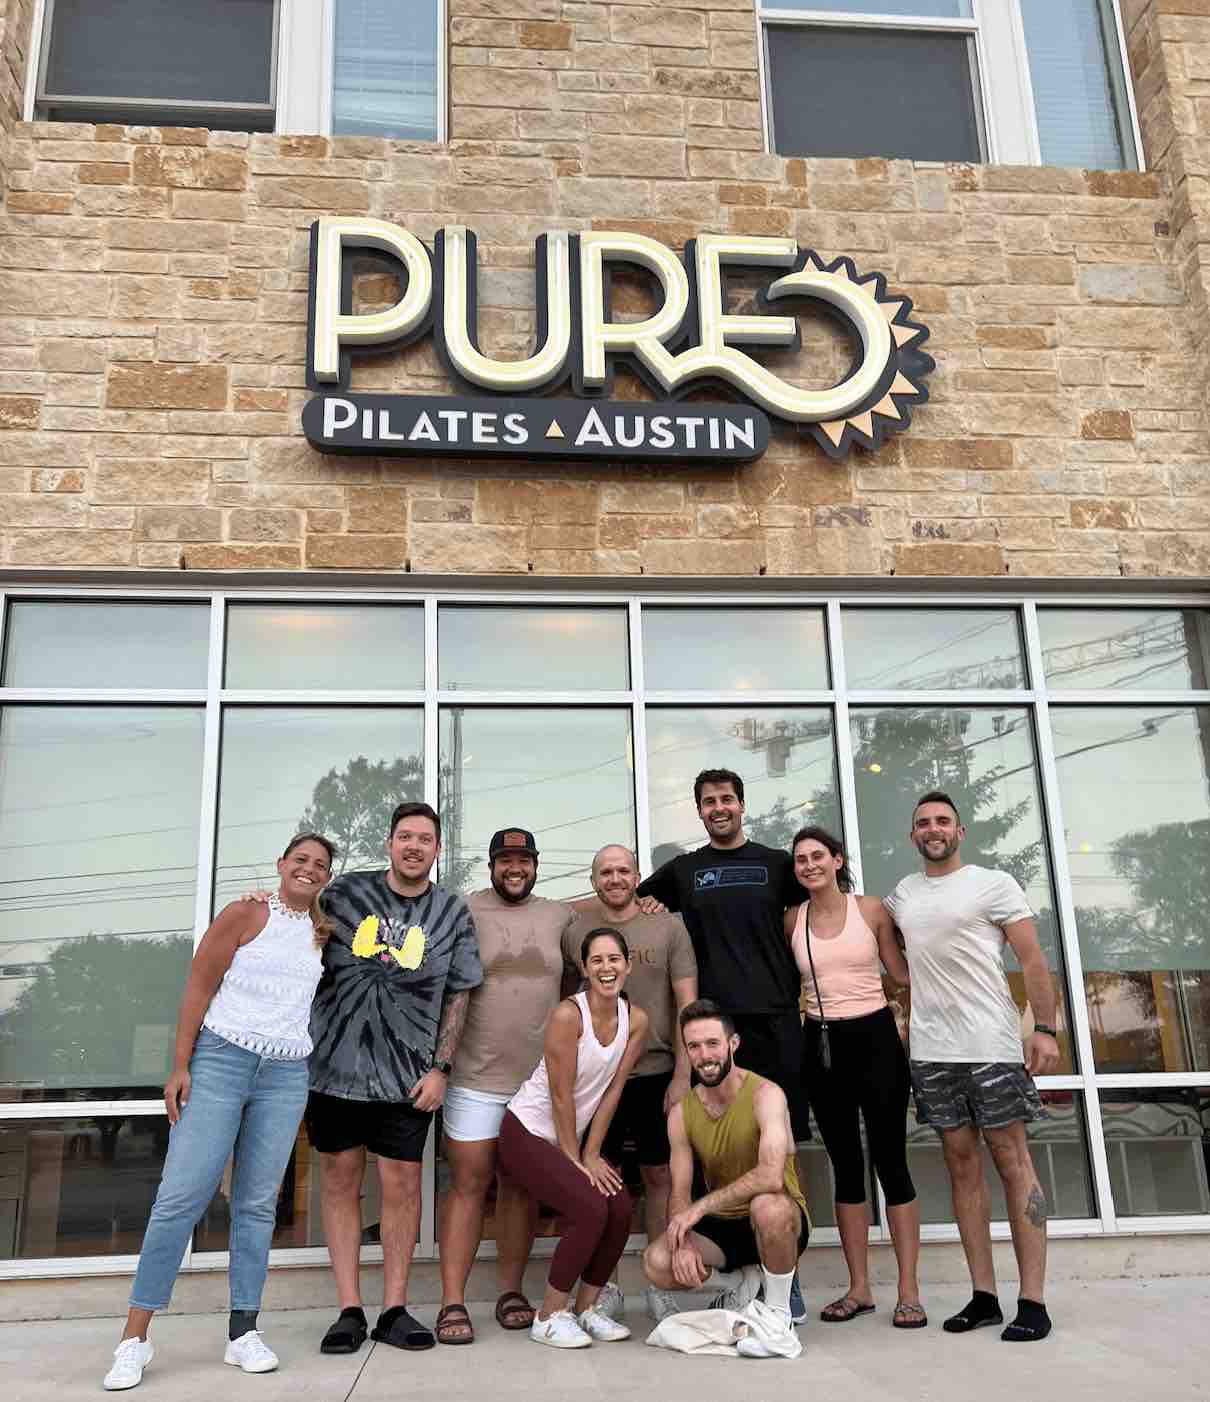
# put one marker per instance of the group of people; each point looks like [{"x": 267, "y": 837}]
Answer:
[{"x": 661, "y": 1015}]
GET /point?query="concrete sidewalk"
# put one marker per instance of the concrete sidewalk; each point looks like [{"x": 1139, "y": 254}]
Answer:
[{"x": 1113, "y": 1339}]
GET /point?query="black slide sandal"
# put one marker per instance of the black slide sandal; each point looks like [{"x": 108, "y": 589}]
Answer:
[
  {"x": 402, "y": 1330},
  {"x": 347, "y": 1335}
]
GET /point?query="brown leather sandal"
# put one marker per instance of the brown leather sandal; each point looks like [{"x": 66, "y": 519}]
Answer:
[
  {"x": 514, "y": 1311},
  {"x": 454, "y": 1325}
]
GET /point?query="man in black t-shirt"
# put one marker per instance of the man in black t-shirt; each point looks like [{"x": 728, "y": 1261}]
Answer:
[{"x": 732, "y": 894}]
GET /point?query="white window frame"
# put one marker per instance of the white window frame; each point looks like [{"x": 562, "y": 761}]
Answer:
[
  {"x": 1004, "y": 98},
  {"x": 1026, "y": 599},
  {"x": 301, "y": 70}
]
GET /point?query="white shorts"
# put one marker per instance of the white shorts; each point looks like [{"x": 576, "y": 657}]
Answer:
[{"x": 473, "y": 1114}]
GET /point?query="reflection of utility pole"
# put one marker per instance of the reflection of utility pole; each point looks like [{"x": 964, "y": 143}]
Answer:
[
  {"x": 778, "y": 738},
  {"x": 454, "y": 805}
]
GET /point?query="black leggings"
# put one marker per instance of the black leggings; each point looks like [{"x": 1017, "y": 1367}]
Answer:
[{"x": 870, "y": 1075}]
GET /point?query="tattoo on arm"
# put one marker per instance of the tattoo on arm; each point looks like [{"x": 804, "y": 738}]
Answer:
[
  {"x": 1035, "y": 1207},
  {"x": 453, "y": 1019}
]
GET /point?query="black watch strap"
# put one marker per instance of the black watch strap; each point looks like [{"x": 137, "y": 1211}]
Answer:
[
  {"x": 445, "y": 1067},
  {"x": 1042, "y": 1027}
]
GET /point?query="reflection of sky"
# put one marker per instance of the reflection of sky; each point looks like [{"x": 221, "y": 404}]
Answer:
[
  {"x": 533, "y": 649},
  {"x": 567, "y": 776},
  {"x": 271, "y": 761},
  {"x": 280, "y": 647},
  {"x": 681, "y": 742},
  {"x": 98, "y": 828},
  {"x": 1125, "y": 648},
  {"x": 932, "y": 649},
  {"x": 101, "y": 644},
  {"x": 734, "y": 649}
]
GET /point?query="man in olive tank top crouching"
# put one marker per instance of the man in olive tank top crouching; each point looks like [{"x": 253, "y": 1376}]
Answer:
[{"x": 748, "y": 1231}]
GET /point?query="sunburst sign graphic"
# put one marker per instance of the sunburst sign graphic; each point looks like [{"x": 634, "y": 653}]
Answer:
[{"x": 885, "y": 409}]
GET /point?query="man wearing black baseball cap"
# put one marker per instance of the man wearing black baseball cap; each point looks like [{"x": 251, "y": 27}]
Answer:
[{"x": 521, "y": 949}]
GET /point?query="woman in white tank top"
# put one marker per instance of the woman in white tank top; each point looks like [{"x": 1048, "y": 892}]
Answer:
[
  {"x": 593, "y": 1042},
  {"x": 239, "y": 1085}
]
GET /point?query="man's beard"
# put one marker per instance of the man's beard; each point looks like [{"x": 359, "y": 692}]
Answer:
[
  {"x": 946, "y": 853},
  {"x": 724, "y": 1072},
  {"x": 506, "y": 895}
]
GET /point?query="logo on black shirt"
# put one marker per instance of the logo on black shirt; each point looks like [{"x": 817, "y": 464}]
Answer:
[{"x": 714, "y": 878}]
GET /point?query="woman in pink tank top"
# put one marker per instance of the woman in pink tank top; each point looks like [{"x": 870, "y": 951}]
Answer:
[
  {"x": 593, "y": 1042},
  {"x": 854, "y": 1065}
]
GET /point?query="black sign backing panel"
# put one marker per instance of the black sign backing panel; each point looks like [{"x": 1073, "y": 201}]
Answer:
[{"x": 417, "y": 425}]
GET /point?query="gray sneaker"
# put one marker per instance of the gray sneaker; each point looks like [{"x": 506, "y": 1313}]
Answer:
[
  {"x": 738, "y": 1296},
  {"x": 661, "y": 1303},
  {"x": 611, "y": 1302}
]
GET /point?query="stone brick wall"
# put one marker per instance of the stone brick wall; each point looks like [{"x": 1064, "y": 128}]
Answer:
[{"x": 153, "y": 308}]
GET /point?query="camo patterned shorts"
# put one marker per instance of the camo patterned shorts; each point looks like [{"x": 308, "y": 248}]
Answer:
[{"x": 989, "y": 1094}]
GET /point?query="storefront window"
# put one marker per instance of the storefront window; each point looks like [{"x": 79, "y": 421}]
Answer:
[
  {"x": 78, "y": 1187},
  {"x": 1136, "y": 805},
  {"x": 533, "y": 649},
  {"x": 290, "y": 769},
  {"x": 1158, "y": 1143},
  {"x": 325, "y": 647},
  {"x": 785, "y": 757},
  {"x": 99, "y": 812},
  {"x": 932, "y": 649},
  {"x": 83, "y": 644},
  {"x": 983, "y": 757},
  {"x": 734, "y": 649},
  {"x": 566, "y": 775},
  {"x": 1125, "y": 649}
]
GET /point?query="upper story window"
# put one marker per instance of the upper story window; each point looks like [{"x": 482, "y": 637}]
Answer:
[
  {"x": 355, "y": 67},
  {"x": 1016, "y": 82}
]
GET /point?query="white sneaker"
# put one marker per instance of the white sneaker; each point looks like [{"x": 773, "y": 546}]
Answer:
[
  {"x": 601, "y": 1328},
  {"x": 559, "y": 1331},
  {"x": 737, "y": 1297},
  {"x": 661, "y": 1303},
  {"x": 251, "y": 1353},
  {"x": 611, "y": 1302},
  {"x": 752, "y": 1347},
  {"x": 129, "y": 1359}
]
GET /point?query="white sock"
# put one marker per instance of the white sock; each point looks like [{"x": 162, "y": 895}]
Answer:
[{"x": 777, "y": 1290}]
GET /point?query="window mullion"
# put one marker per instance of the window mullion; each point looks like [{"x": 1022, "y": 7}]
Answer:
[
  {"x": 302, "y": 78},
  {"x": 1008, "y": 100},
  {"x": 638, "y": 740},
  {"x": 207, "y": 824}
]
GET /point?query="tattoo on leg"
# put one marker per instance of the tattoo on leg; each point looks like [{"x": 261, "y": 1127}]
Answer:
[{"x": 1035, "y": 1207}]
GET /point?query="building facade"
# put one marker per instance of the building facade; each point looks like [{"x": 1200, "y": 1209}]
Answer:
[{"x": 214, "y": 632}]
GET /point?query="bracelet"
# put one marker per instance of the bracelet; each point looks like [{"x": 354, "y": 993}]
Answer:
[{"x": 1049, "y": 1031}]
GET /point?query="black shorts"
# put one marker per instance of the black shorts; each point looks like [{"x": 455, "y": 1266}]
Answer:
[
  {"x": 989, "y": 1094},
  {"x": 771, "y": 1045},
  {"x": 640, "y": 1120},
  {"x": 390, "y": 1130},
  {"x": 736, "y": 1239}
]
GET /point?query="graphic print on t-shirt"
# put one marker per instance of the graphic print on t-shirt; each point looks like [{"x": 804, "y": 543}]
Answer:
[{"x": 714, "y": 878}]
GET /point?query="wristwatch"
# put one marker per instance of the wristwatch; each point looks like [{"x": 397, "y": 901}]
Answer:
[
  {"x": 445, "y": 1067},
  {"x": 1042, "y": 1027}
]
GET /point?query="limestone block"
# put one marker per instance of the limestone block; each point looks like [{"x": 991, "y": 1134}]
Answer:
[
  {"x": 82, "y": 548},
  {"x": 261, "y": 524},
  {"x": 241, "y": 557},
  {"x": 18, "y": 411},
  {"x": 180, "y": 481},
  {"x": 936, "y": 558},
  {"x": 180, "y": 523},
  {"x": 167, "y": 387},
  {"x": 657, "y": 25},
  {"x": 189, "y": 168}
]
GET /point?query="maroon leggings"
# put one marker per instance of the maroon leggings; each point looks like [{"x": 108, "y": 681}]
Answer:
[{"x": 595, "y": 1227}]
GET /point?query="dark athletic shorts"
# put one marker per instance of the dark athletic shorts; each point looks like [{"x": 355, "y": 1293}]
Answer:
[
  {"x": 771, "y": 1045},
  {"x": 640, "y": 1119},
  {"x": 736, "y": 1239},
  {"x": 390, "y": 1130},
  {"x": 989, "y": 1094}
]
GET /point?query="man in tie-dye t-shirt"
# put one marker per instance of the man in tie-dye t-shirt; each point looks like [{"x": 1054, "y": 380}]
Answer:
[{"x": 398, "y": 970}]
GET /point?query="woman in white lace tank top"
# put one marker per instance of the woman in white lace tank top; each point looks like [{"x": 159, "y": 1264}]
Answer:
[
  {"x": 593, "y": 1042},
  {"x": 238, "y": 1086}
]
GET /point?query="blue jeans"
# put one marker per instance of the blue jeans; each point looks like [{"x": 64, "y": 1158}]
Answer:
[{"x": 241, "y": 1103}]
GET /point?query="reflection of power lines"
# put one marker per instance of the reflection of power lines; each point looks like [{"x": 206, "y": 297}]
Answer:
[{"x": 776, "y": 739}]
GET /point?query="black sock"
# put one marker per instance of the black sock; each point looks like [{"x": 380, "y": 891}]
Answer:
[
  {"x": 355, "y": 1311},
  {"x": 983, "y": 1308},
  {"x": 240, "y": 1322},
  {"x": 1032, "y": 1323}
]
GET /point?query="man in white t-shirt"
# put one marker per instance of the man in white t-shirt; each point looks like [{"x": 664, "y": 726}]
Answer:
[{"x": 970, "y": 1072}]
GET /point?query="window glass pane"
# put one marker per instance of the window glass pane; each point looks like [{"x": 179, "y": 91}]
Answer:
[
  {"x": 984, "y": 758},
  {"x": 1081, "y": 109},
  {"x": 338, "y": 772},
  {"x": 104, "y": 645},
  {"x": 385, "y": 71},
  {"x": 98, "y": 854},
  {"x": 325, "y": 647},
  {"x": 815, "y": 72},
  {"x": 175, "y": 50},
  {"x": 786, "y": 759},
  {"x": 566, "y": 775},
  {"x": 1156, "y": 1144},
  {"x": 1125, "y": 649},
  {"x": 78, "y": 1187},
  {"x": 920, "y": 9},
  {"x": 932, "y": 649},
  {"x": 533, "y": 649},
  {"x": 734, "y": 649},
  {"x": 1135, "y": 783},
  {"x": 1057, "y": 1145}
]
